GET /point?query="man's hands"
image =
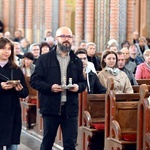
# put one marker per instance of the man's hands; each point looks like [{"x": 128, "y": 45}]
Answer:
[
  {"x": 75, "y": 88},
  {"x": 57, "y": 88}
]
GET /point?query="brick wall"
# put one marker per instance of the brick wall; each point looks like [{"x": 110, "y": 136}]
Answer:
[{"x": 29, "y": 17}]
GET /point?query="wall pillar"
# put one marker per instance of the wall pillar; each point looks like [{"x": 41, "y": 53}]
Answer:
[
  {"x": 6, "y": 14},
  {"x": 143, "y": 18},
  {"x": 20, "y": 5},
  {"x": 89, "y": 20},
  {"x": 62, "y": 13},
  {"x": 79, "y": 22},
  {"x": 114, "y": 19},
  {"x": 48, "y": 16},
  {"x": 28, "y": 22}
]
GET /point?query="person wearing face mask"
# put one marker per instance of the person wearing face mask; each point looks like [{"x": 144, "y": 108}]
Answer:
[
  {"x": 109, "y": 64},
  {"x": 93, "y": 84},
  {"x": 58, "y": 77}
]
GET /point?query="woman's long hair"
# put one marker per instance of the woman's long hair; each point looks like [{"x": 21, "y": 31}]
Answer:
[{"x": 3, "y": 42}]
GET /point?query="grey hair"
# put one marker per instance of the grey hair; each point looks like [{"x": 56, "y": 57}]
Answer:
[{"x": 32, "y": 45}]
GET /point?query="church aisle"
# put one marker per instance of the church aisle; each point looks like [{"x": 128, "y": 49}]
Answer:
[{"x": 29, "y": 142}]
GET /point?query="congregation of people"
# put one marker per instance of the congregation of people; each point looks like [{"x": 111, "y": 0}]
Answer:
[{"x": 125, "y": 63}]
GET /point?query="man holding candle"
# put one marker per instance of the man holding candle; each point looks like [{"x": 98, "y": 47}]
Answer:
[{"x": 59, "y": 103}]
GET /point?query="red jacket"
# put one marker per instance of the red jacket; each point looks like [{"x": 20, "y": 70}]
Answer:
[{"x": 142, "y": 71}]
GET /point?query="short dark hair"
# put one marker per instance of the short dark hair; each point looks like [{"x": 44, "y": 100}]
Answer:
[
  {"x": 81, "y": 51},
  {"x": 125, "y": 42},
  {"x": 44, "y": 44},
  {"x": 29, "y": 55}
]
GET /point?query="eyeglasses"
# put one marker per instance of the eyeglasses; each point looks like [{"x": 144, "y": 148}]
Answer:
[
  {"x": 84, "y": 58},
  {"x": 65, "y": 36}
]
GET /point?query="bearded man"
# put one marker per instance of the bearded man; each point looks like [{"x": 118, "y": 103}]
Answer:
[{"x": 58, "y": 77}]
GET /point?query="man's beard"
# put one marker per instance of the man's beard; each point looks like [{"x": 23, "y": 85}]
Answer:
[{"x": 64, "y": 48}]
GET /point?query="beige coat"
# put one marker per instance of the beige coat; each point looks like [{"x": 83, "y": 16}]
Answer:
[{"x": 121, "y": 81}]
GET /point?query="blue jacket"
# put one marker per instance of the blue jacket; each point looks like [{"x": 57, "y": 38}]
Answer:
[{"x": 47, "y": 72}]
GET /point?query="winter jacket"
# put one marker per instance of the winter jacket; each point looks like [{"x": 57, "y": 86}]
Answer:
[
  {"x": 47, "y": 72},
  {"x": 10, "y": 109},
  {"x": 142, "y": 71},
  {"x": 121, "y": 82}
]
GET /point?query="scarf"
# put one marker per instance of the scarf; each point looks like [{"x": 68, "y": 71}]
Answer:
[{"x": 113, "y": 71}]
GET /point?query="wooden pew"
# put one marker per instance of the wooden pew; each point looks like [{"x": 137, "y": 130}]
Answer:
[
  {"x": 28, "y": 106},
  {"x": 120, "y": 119},
  {"x": 136, "y": 88},
  {"x": 143, "y": 128},
  {"x": 143, "y": 81},
  {"x": 93, "y": 117}
]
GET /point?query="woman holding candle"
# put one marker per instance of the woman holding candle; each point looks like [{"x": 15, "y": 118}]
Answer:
[{"x": 12, "y": 87}]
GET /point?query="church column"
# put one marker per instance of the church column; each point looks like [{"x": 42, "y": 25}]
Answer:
[
  {"x": 48, "y": 16},
  {"x": 62, "y": 13},
  {"x": 28, "y": 21},
  {"x": 89, "y": 20},
  {"x": 19, "y": 15},
  {"x": 6, "y": 14},
  {"x": 79, "y": 22}
]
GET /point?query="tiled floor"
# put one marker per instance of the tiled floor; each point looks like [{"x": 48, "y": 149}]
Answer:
[{"x": 29, "y": 142}]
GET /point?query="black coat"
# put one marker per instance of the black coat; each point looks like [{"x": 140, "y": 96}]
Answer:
[
  {"x": 95, "y": 86},
  {"x": 96, "y": 61},
  {"x": 47, "y": 73},
  {"x": 10, "y": 110}
]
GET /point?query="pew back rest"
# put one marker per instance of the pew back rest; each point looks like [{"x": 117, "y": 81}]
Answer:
[
  {"x": 122, "y": 110},
  {"x": 32, "y": 92},
  {"x": 143, "y": 81},
  {"x": 126, "y": 116},
  {"x": 96, "y": 106},
  {"x": 136, "y": 88},
  {"x": 143, "y": 124}
]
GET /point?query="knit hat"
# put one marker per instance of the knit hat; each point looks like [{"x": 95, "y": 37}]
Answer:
[{"x": 29, "y": 55}]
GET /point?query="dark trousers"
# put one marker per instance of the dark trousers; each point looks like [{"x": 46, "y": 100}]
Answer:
[
  {"x": 11, "y": 147},
  {"x": 69, "y": 131}
]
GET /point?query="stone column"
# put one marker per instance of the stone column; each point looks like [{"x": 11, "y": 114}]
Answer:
[
  {"x": 55, "y": 15},
  {"x": 114, "y": 19},
  {"x": 79, "y": 22},
  {"x": 62, "y": 13},
  {"x": 29, "y": 20},
  {"x": 20, "y": 15},
  {"x": 48, "y": 15},
  {"x": 6, "y": 14},
  {"x": 143, "y": 18},
  {"x": 89, "y": 20}
]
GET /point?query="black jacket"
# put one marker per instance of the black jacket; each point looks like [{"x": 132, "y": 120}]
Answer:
[
  {"x": 95, "y": 87},
  {"x": 10, "y": 109},
  {"x": 96, "y": 61},
  {"x": 47, "y": 73}
]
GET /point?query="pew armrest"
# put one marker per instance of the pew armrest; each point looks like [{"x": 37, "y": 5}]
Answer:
[
  {"x": 87, "y": 119},
  {"x": 116, "y": 130}
]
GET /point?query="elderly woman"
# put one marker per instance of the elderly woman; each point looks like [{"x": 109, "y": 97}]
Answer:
[
  {"x": 143, "y": 70},
  {"x": 109, "y": 69}
]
